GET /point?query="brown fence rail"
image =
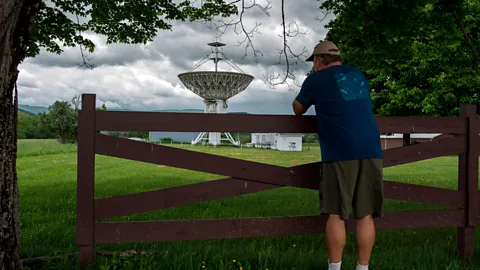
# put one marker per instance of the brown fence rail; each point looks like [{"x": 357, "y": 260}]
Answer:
[{"x": 250, "y": 177}]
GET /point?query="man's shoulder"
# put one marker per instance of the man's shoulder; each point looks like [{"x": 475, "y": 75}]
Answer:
[
  {"x": 345, "y": 68},
  {"x": 321, "y": 76},
  {"x": 329, "y": 76},
  {"x": 317, "y": 74}
]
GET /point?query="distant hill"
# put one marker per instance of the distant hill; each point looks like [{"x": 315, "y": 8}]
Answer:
[
  {"x": 194, "y": 111},
  {"x": 173, "y": 110},
  {"x": 32, "y": 109},
  {"x": 181, "y": 111},
  {"x": 24, "y": 111}
]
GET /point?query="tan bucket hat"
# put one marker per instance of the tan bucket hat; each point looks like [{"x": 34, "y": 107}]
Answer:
[{"x": 325, "y": 47}]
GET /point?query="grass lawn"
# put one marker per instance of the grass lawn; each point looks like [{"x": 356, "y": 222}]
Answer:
[{"x": 47, "y": 179}]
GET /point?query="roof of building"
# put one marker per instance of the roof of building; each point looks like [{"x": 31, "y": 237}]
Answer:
[
  {"x": 281, "y": 134},
  {"x": 412, "y": 136}
]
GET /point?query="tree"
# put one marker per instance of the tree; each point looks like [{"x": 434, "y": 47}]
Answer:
[
  {"x": 244, "y": 139},
  {"x": 28, "y": 25},
  {"x": 138, "y": 134},
  {"x": 62, "y": 121},
  {"x": 420, "y": 56},
  {"x": 25, "y": 125},
  {"x": 310, "y": 139},
  {"x": 102, "y": 108},
  {"x": 76, "y": 103},
  {"x": 42, "y": 127}
]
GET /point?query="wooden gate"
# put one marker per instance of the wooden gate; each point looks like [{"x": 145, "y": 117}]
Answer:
[{"x": 249, "y": 177}]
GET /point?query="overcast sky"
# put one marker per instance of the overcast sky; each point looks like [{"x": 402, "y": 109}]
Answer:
[{"x": 144, "y": 77}]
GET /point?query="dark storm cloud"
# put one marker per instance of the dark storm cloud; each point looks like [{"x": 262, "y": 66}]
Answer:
[
  {"x": 187, "y": 42},
  {"x": 115, "y": 54},
  {"x": 28, "y": 84}
]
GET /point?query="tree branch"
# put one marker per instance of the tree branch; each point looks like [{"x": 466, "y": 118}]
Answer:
[
  {"x": 221, "y": 26},
  {"x": 462, "y": 26},
  {"x": 287, "y": 56},
  {"x": 324, "y": 13},
  {"x": 286, "y": 52},
  {"x": 85, "y": 59}
]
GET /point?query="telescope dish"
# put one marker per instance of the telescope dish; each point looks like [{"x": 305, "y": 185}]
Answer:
[
  {"x": 215, "y": 84},
  {"x": 215, "y": 87}
]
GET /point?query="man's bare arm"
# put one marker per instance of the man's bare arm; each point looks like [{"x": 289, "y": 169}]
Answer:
[{"x": 298, "y": 108}]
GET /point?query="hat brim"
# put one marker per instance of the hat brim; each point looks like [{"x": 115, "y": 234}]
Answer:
[{"x": 310, "y": 59}]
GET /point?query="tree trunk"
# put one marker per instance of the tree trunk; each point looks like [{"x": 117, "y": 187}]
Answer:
[{"x": 16, "y": 16}]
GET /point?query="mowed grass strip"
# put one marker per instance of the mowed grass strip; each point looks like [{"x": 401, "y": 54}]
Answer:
[{"x": 47, "y": 180}]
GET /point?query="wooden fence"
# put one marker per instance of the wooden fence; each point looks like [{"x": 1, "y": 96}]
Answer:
[{"x": 249, "y": 177}]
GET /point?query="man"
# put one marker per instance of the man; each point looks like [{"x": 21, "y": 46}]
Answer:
[{"x": 351, "y": 171}]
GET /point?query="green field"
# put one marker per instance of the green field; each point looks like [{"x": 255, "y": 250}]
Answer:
[{"x": 47, "y": 179}]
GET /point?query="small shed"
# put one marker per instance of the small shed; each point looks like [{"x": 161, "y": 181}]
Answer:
[
  {"x": 396, "y": 139},
  {"x": 278, "y": 141}
]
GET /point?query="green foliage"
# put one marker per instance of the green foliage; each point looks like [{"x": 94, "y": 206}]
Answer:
[
  {"x": 102, "y": 108},
  {"x": 34, "y": 127},
  {"x": 310, "y": 139},
  {"x": 42, "y": 147},
  {"x": 166, "y": 140},
  {"x": 42, "y": 126},
  {"x": 129, "y": 134},
  {"x": 25, "y": 125},
  {"x": 63, "y": 121},
  {"x": 60, "y": 122},
  {"x": 123, "y": 21},
  {"x": 244, "y": 139},
  {"x": 414, "y": 52},
  {"x": 138, "y": 134}
]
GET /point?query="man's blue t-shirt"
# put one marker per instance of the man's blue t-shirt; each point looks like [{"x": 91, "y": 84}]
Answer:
[{"x": 347, "y": 129}]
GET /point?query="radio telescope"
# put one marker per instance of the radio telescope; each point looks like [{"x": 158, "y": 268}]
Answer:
[{"x": 215, "y": 87}]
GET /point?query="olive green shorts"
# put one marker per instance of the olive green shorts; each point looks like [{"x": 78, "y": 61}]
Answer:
[{"x": 352, "y": 185}]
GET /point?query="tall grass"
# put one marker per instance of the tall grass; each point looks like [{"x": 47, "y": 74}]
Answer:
[{"x": 36, "y": 147}]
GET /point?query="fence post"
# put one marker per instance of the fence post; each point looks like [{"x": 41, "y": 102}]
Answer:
[
  {"x": 468, "y": 183},
  {"x": 85, "y": 180}
]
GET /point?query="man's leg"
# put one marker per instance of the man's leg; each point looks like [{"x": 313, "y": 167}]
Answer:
[
  {"x": 367, "y": 205},
  {"x": 365, "y": 236},
  {"x": 336, "y": 238},
  {"x": 336, "y": 191}
]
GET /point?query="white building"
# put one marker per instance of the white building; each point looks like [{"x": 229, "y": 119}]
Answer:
[
  {"x": 396, "y": 140},
  {"x": 277, "y": 141}
]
